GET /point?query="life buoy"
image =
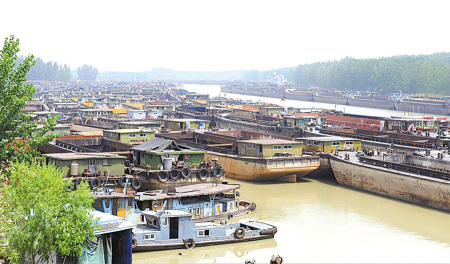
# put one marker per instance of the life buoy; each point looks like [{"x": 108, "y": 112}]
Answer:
[
  {"x": 189, "y": 243},
  {"x": 94, "y": 182},
  {"x": 123, "y": 181},
  {"x": 296, "y": 129},
  {"x": 186, "y": 173},
  {"x": 239, "y": 233},
  {"x": 203, "y": 174},
  {"x": 174, "y": 175},
  {"x": 217, "y": 171},
  {"x": 136, "y": 184},
  {"x": 162, "y": 176},
  {"x": 133, "y": 243}
]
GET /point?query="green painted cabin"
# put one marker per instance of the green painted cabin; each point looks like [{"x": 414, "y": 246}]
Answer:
[
  {"x": 129, "y": 136},
  {"x": 269, "y": 147},
  {"x": 329, "y": 144},
  {"x": 153, "y": 152},
  {"x": 183, "y": 124},
  {"x": 92, "y": 162}
]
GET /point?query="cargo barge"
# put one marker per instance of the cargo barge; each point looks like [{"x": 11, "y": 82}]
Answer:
[
  {"x": 419, "y": 180},
  {"x": 251, "y": 156}
]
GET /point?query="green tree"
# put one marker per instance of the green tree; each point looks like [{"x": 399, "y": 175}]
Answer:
[
  {"x": 13, "y": 97},
  {"x": 40, "y": 215},
  {"x": 87, "y": 72}
]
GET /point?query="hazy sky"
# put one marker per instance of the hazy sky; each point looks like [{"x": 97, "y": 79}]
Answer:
[{"x": 222, "y": 35}]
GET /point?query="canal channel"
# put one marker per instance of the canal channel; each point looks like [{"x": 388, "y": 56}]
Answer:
[{"x": 321, "y": 221}]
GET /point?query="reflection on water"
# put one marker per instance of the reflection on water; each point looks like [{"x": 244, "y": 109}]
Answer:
[
  {"x": 319, "y": 220},
  {"x": 210, "y": 254},
  {"x": 322, "y": 221}
]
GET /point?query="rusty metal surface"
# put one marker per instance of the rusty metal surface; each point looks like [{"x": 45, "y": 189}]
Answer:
[
  {"x": 423, "y": 190},
  {"x": 256, "y": 169}
]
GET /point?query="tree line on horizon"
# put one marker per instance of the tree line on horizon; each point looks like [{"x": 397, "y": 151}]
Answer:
[
  {"x": 170, "y": 74},
  {"x": 425, "y": 74},
  {"x": 52, "y": 71}
]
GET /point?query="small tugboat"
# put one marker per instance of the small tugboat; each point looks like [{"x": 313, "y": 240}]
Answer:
[{"x": 174, "y": 229}]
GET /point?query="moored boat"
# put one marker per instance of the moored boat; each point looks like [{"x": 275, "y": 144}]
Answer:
[
  {"x": 262, "y": 158},
  {"x": 172, "y": 229},
  {"x": 419, "y": 180},
  {"x": 161, "y": 163}
]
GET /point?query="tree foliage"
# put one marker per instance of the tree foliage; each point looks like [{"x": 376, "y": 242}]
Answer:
[
  {"x": 87, "y": 72},
  {"x": 40, "y": 214},
  {"x": 13, "y": 97},
  {"x": 49, "y": 71},
  {"x": 413, "y": 74}
]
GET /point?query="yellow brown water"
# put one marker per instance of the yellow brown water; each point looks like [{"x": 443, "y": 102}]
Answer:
[{"x": 319, "y": 220}]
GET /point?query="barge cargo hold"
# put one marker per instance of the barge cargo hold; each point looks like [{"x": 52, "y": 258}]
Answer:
[{"x": 397, "y": 176}]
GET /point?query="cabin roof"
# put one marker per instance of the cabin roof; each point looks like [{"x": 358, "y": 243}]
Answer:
[
  {"x": 330, "y": 138},
  {"x": 188, "y": 191},
  {"x": 161, "y": 145},
  {"x": 103, "y": 195},
  {"x": 110, "y": 223},
  {"x": 166, "y": 213},
  {"x": 94, "y": 109},
  {"x": 272, "y": 141},
  {"x": 139, "y": 123},
  {"x": 186, "y": 120},
  {"x": 131, "y": 130},
  {"x": 83, "y": 155}
]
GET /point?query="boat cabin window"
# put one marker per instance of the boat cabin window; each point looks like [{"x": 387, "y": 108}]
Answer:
[
  {"x": 335, "y": 143},
  {"x": 287, "y": 146},
  {"x": 276, "y": 146},
  {"x": 132, "y": 135},
  {"x": 150, "y": 236},
  {"x": 197, "y": 211},
  {"x": 316, "y": 143},
  {"x": 203, "y": 233},
  {"x": 164, "y": 221},
  {"x": 348, "y": 142},
  {"x": 152, "y": 221}
]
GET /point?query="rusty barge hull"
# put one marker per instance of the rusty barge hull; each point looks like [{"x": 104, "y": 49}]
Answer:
[
  {"x": 410, "y": 187},
  {"x": 256, "y": 169}
]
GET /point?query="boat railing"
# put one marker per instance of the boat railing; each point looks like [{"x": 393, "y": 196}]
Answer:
[
  {"x": 292, "y": 161},
  {"x": 383, "y": 139}
]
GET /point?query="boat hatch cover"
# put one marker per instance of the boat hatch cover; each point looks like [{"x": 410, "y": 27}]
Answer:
[{"x": 256, "y": 225}]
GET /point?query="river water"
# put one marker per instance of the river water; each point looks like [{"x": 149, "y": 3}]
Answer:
[{"x": 321, "y": 221}]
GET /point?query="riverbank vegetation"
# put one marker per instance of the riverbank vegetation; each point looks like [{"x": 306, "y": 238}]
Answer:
[
  {"x": 408, "y": 74},
  {"x": 39, "y": 214}
]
